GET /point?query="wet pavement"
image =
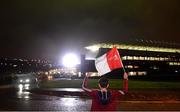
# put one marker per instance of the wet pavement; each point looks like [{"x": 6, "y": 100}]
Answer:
[
  {"x": 13, "y": 99},
  {"x": 18, "y": 99}
]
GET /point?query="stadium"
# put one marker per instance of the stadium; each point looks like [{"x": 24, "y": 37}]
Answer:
[{"x": 153, "y": 59}]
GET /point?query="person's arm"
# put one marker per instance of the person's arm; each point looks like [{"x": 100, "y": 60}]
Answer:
[
  {"x": 125, "y": 84},
  {"x": 84, "y": 84}
]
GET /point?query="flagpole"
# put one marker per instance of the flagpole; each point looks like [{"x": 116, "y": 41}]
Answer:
[
  {"x": 124, "y": 69},
  {"x": 125, "y": 81}
]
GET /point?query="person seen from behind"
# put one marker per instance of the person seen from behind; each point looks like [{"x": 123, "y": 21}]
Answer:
[{"x": 105, "y": 99}]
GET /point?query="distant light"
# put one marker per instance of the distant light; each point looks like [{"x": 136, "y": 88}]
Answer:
[
  {"x": 26, "y": 97},
  {"x": 26, "y": 86},
  {"x": 132, "y": 47},
  {"x": 89, "y": 58},
  {"x": 70, "y": 60},
  {"x": 20, "y": 88},
  {"x": 46, "y": 73},
  {"x": 50, "y": 77},
  {"x": 93, "y": 48},
  {"x": 27, "y": 80},
  {"x": 20, "y": 85},
  {"x": 20, "y": 60},
  {"x": 14, "y": 65}
]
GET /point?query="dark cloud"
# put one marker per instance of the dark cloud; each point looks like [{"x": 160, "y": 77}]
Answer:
[{"x": 48, "y": 28}]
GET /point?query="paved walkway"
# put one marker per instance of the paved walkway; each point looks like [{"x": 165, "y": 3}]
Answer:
[
  {"x": 154, "y": 96},
  {"x": 77, "y": 99},
  {"x": 64, "y": 89},
  {"x": 163, "y": 96}
]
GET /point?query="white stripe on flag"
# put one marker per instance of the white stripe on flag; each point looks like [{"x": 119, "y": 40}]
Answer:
[{"x": 102, "y": 65}]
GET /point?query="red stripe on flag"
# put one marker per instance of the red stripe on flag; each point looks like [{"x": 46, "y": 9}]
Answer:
[{"x": 113, "y": 59}]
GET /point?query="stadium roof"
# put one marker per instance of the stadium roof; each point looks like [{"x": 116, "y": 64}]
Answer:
[{"x": 96, "y": 47}]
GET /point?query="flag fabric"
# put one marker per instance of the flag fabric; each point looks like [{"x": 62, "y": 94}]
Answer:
[{"x": 108, "y": 62}]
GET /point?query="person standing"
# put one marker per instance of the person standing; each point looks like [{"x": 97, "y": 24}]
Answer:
[{"x": 104, "y": 99}]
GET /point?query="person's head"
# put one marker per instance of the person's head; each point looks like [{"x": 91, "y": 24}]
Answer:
[{"x": 103, "y": 83}]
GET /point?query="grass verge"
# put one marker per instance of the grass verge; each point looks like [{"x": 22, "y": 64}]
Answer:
[{"x": 114, "y": 84}]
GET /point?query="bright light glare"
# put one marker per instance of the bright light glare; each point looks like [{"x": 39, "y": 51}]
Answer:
[
  {"x": 69, "y": 101},
  {"x": 93, "y": 48},
  {"x": 70, "y": 60},
  {"x": 27, "y": 80},
  {"x": 20, "y": 88}
]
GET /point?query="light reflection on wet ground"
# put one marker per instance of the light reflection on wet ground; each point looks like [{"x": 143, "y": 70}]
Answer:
[
  {"x": 74, "y": 104},
  {"x": 23, "y": 95},
  {"x": 23, "y": 100},
  {"x": 48, "y": 103},
  {"x": 65, "y": 89},
  {"x": 21, "y": 91},
  {"x": 53, "y": 103}
]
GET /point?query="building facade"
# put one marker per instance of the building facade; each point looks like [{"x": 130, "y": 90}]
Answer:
[{"x": 141, "y": 60}]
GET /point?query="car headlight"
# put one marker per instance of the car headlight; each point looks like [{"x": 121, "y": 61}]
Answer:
[
  {"x": 21, "y": 80},
  {"x": 27, "y": 80}
]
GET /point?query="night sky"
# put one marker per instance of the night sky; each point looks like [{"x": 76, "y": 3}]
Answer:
[{"x": 50, "y": 28}]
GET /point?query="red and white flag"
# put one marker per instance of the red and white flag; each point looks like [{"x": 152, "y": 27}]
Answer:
[{"x": 108, "y": 62}]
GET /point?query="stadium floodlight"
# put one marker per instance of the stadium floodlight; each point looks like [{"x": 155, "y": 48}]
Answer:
[{"x": 70, "y": 60}]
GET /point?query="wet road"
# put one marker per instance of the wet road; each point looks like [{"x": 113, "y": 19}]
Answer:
[
  {"x": 18, "y": 99},
  {"x": 22, "y": 100}
]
